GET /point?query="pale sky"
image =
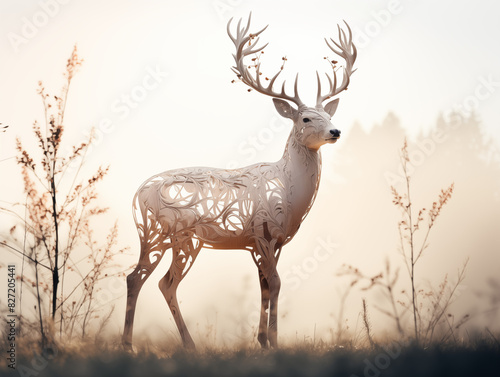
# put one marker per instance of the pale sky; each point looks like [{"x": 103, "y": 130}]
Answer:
[{"x": 156, "y": 80}]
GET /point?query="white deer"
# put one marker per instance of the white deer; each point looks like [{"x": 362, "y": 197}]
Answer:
[{"x": 258, "y": 208}]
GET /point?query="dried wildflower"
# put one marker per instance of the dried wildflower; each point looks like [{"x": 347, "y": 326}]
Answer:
[{"x": 57, "y": 222}]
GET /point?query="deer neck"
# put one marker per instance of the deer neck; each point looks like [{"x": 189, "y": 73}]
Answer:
[{"x": 302, "y": 167}]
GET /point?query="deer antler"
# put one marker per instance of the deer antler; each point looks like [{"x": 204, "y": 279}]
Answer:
[
  {"x": 348, "y": 52},
  {"x": 243, "y": 39}
]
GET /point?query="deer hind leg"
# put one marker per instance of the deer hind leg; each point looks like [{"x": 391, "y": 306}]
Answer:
[
  {"x": 264, "y": 314},
  {"x": 183, "y": 257},
  {"x": 149, "y": 259}
]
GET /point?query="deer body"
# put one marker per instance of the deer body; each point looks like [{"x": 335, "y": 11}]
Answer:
[
  {"x": 258, "y": 208},
  {"x": 226, "y": 208}
]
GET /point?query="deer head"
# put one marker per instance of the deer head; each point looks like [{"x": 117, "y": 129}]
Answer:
[{"x": 312, "y": 125}]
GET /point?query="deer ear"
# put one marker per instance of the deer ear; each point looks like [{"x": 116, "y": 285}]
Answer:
[
  {"x": 284, "y": 108},
  {"x": 331, "y": 107}
]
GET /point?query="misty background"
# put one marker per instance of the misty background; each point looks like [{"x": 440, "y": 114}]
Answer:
[{"x": 156, "y": 85}]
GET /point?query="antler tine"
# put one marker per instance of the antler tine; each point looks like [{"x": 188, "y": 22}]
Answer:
[
  {"x": 243, "y": 37},
  {"x": 346, "y": 49},
  {"x": 296, "y": 85},
  {"x": 332, "y": 84},
  {"x": 248, "y": 23},
  {"x": 319, "y": 85}
]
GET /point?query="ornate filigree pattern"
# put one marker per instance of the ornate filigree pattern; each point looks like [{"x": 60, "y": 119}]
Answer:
[
  {"x": 258, "y": 208},
  {"x": 218, "y": 206}
]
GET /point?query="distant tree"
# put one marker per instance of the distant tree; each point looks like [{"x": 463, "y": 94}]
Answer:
[{"x": 456, "y": 150}]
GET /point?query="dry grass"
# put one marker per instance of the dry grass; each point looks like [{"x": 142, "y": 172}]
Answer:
[
  {"x": 60, "y": 261},
  {"x": 428, "y": 309},
  {"x": 480, "y": 356}
]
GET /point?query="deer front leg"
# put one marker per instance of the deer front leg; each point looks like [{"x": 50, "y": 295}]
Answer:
[
  {"x": 264, "y": 315},
  {"x": 274, "y": 290},
  {"x": 264, "y": 257}
]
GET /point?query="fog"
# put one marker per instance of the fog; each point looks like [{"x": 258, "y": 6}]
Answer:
[{"x": 156, "y": 84}]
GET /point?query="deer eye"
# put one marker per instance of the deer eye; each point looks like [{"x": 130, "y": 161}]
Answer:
[{"x": 305, "y": 120}]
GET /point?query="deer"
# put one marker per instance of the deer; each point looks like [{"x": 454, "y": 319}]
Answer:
[{"x": 257, "y": 208}]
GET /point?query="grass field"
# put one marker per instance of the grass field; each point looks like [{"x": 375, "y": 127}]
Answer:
[{"x": 482, "y": 359}]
